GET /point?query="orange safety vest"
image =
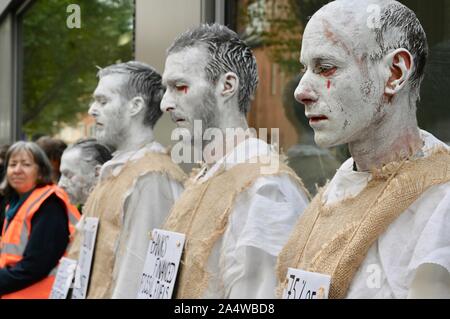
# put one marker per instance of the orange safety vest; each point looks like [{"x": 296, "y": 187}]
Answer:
[{"x": 15, "y": 239}]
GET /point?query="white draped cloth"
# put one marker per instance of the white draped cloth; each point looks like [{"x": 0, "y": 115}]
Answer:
[
  {"x": 420, "y": 236},
  {"x": 242, "y": 262},
  {"x": 146, "y": 206}
]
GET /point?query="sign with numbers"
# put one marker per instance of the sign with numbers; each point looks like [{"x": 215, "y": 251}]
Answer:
[
  {"x": 302, "y": 284},
  {"x": 161, "y": 265},
  {"x": 83, "y": 270},
  {"x": 64, "y": 277}
]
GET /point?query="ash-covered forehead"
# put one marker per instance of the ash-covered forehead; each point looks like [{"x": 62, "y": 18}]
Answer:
[
  {"x": 350, "y": 24},
  {"x": 371, "y": 28},
  {"x": 357, "y": 12}
]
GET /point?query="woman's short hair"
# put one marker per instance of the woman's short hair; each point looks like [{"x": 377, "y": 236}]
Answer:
[{"x": 39, "y": 157}]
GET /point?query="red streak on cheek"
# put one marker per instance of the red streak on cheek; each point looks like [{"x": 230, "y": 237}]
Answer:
[
  {"x": 328, "y": 84},
  {"x": 185, "y": 90}
]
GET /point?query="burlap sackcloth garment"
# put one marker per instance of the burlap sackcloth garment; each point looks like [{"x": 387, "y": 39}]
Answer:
[
  {"x": 106, "y": 202},
  {"x": 334, "y": 239},
  {"x": 202, "y": 213}
]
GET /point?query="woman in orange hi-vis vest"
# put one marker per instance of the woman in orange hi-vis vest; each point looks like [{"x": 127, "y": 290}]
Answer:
[{"x": 39, "y": 220}]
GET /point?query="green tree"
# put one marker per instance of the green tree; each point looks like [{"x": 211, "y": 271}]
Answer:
[{"x": 60, "y": 64}]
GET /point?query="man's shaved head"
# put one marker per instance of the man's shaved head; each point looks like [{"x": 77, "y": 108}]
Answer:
[{"x": 370, "y": 29}]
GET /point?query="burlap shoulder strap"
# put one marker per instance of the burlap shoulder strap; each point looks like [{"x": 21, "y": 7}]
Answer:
[
  {"x": 106, "y": 202},
  {"x": 202, "y": 214},
  {"x": 334, "y": 239}
]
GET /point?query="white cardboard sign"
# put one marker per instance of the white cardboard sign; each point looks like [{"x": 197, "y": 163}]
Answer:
[
  {"x": 306, "y": 285},
  {"x": 161, "y": 265},
  {"x": 83, "y": 269},
  {"x": 64, "y": 277}
]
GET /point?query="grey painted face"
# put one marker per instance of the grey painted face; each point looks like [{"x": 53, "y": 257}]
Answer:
[
  {"x": 109, "y": 110},
  {"x": 342, "y": 90},
  {"x": 189, "y": 95},
  {"x": 78, "y": 176}
]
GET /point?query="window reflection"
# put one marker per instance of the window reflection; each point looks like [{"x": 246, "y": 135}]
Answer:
[{"x": 59, "y": 63}]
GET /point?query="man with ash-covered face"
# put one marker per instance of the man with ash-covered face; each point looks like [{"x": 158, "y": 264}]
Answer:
[
  {"x": 137, "y": 187},
  {"x": 80, "y": 167},
  {"x": 236, "y": 219},
  {"x": 380, "y": 228}
]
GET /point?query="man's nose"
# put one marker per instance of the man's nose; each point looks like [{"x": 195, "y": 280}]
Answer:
[
  {"x": 304, "y": 93},
  {"x": 93, "y": 109},
  {"x": 167, "y": 104},
  {"x": 62, "y": 182}
]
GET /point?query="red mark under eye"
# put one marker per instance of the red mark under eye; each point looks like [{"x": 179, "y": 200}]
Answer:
[
  {"x": 329, "y": 72},
  {"x": 182, "y": 88},
  {"x": 328, "y": 84}
]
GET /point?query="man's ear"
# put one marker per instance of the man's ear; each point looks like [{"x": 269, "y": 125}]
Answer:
[
  {"x": 229, "y": 85},
  {"x": 136, "y": 105},
  {"x": 401, "y": 64},
  {"x": 97, "y": 169}
]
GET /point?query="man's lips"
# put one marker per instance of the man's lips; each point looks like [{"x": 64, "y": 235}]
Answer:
[
  {"x": 317, "y": 118},
  {"x": 177, "y": 119}
]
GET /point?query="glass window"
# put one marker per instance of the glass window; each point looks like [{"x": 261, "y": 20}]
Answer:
[
  {"x": 274, "y": 29},
  {"x": 5, "y": 80},
  {"x": 433, "y": 110},
  {"x": 60, "y": 60}
]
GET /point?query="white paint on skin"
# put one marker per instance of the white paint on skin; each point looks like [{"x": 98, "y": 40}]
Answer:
[
  {"x": 332, "y": 84},
  {"x": 108, "y": 110},
  {"x": 78, "y": 176},
  {"x": 190, "y": 96},
  {"x": 119, "y": 122},
  {"x": 344, "y": 92}
]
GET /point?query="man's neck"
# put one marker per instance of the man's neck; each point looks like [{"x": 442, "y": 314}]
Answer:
[
  {"x": 397, "y": 137},
  {"x": 137, "y": 137},
  {"x": 226, "y": 143}
]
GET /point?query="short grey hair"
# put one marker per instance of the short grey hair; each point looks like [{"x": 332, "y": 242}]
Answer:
[
  {"x": 92, "y": 151},
  {"x": 39, "y": 157},
  {"x": 228, "y": 53},
  {"x": 143, "y": 81},
  {"x": 400, "y": 28}
]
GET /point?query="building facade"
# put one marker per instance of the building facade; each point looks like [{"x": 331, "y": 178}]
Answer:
[{"x": 50, "y": 51}]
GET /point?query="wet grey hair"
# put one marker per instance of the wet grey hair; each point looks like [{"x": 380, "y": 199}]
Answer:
[
  {"x": 228, "y": 53},
  {"x": 143, "y": 81},
  {"x": 92, "y": 151},
  {"x": 400, "y": 28},
  {"x": 39, "y": 157}
]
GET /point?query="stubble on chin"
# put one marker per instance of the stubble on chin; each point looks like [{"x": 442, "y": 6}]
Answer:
[
  {"x": 101, "y": 138},
  {"x": 324, "y": 140}
]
